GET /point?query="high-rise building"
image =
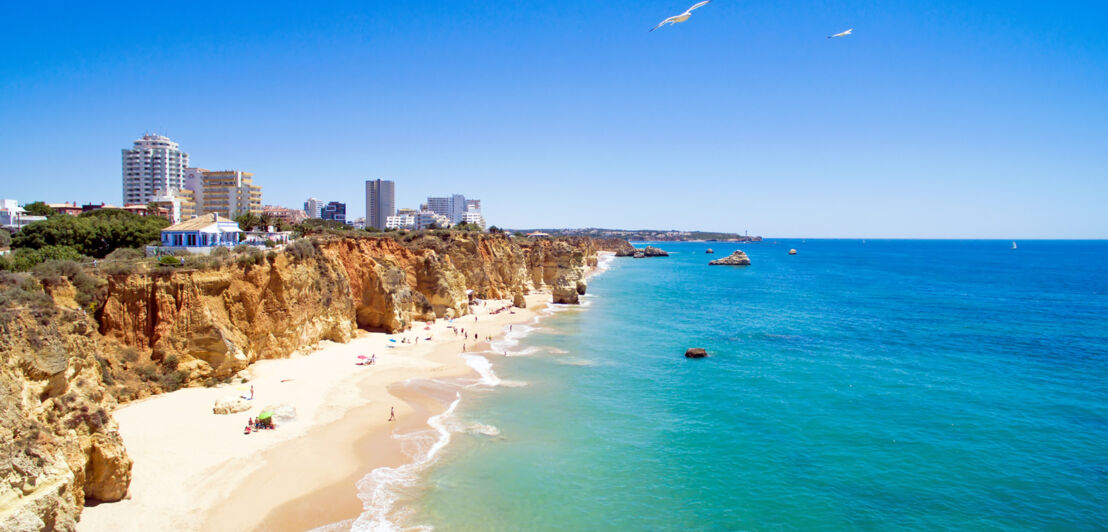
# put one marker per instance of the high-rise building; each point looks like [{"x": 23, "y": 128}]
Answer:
[
  {"x": 314, "y": 208},
  {"x": 380, "y": 202},
  {"x": 227, "y": 193},
  {"x": 154, "y": 167},
  {"x": 473, "y": 205},
  {"x": 334, "y": 211},
  {"x": 452, "y": 206}
]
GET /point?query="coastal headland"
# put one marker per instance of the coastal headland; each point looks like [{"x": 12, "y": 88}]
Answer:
[{"x": 291, "y": 324}]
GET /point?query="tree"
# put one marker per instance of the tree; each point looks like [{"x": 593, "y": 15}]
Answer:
[
  {"x": 95, "y": 233},
  {"x": 39, "y": 208},
  {"x": 495, "y": 230},
  {"x": 152, "y": 209},
  {"x": 248, "y": 221},
  {"x": 5, "y": 238}
]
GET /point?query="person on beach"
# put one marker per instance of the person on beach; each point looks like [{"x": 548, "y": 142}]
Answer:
[
  {"x": 251, "y": 392},
  {"x": 373, "y": 359},
  {"x": 392, "y": 414}
]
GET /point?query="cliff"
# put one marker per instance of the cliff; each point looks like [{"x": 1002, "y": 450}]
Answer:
[
  {"x": 63, "y": 370},
  {"x": 60, "y": 444}
]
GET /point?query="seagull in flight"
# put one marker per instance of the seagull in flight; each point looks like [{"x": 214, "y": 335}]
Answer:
[
  {"x": 683, "y": 16},
  {"x": 843, "y": 34}
]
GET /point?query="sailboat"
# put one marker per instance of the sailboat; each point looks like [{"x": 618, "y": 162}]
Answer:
[{"x": 1014, "y": 245}]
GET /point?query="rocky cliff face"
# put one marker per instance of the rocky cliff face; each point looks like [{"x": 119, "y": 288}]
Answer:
[
  {"x": 62, "y": 371},
  {"x": 218, "y": 322},
  {"x": 60, "y": 445}
]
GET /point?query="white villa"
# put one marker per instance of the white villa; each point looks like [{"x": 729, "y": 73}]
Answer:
[{"x": 201, "y": 234}]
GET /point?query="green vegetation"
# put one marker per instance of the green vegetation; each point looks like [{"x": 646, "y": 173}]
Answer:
[
  {"x": 250, "y": 221},
  {"x": 468, "y": 227},
  {"x": 302, "y": 248},
  {"x": 94, "y": 233},
  {"x": 23, "y": 259},
  {"x": 5, "y": 239},
  {"x": 169, "y": 260}
]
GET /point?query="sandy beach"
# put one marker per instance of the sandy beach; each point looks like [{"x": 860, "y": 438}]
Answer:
[{"x": 194, "y": 470}]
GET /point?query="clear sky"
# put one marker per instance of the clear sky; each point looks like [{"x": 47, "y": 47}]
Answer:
[{"x": 944, "y": 118}]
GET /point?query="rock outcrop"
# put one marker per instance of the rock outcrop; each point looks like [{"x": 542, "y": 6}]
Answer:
[
  {"x": 230, "y": 405},
  {"x": 60, "y": 445},
  {"x": 738, "y": 258},
  {"x": 709, "y": 251},
  {"x": 648, "y": 251},
  {"x": 619, "y": 246},
  {"x": 696, "y": 352}
]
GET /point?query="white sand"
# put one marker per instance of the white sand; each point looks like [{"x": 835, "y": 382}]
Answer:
[{"x": 188, "y": 460}]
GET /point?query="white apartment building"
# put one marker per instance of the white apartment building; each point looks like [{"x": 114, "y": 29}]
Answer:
[
  {"x": 452, "y": 206},
  {"x": 417, "y": 221},
  {"x": 474, "y": 217},
  {"x": 314, "y": 208},
  {"x": 154, "y": 167},
  {"x": 400, "y": 221}
]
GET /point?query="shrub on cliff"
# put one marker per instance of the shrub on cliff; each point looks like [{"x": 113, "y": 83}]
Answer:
[
  {"x": 248, "y": 256},
  {"x": 22, "y": 291},
  {"x": 301, "y": 249},
  {"x": 24, "y": 259},
  {"x": 87, "y": 286},
  {"x": 5, "y": 239}
]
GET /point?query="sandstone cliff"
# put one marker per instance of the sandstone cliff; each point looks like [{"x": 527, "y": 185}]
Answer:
[{"x": 60, "y": 444}]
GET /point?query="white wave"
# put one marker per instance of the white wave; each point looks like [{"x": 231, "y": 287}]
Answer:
[
  {"x": 576, "y": 362},
  {"x": 514, "y": 384},
  {"x": 556, "y": 351},
  {"x": 483, "y": 367},
  {"x": 481, "y": 428},
  {"x": 379, "y": 490}
]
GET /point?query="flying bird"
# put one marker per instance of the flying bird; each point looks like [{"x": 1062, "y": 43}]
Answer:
[
  {"x": 683, "y": 16},
  {"x": 843, "y": 34}
]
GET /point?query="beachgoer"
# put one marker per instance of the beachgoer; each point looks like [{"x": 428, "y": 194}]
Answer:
[
  {"x": 392, "y": 414},
  {"x": 463, "y": 348},
  {"x": 251, "y": 392},
  {"x": 373, "y": 359}
]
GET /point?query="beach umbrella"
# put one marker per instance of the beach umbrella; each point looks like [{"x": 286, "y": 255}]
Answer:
[
  {"x": 363, "y": 357},
  {"x": 393, "y": 340},
  {"x": 265, "y": 415}
]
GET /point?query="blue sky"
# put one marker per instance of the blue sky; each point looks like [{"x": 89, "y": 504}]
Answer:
[{"x": 938, "y": 119}]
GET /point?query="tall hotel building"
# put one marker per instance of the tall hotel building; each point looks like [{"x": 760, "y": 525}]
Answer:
[
  {"x": 228, "y": 193},
  {"x": 380, "y": 202},
  {"x": 154, "y": 167}
]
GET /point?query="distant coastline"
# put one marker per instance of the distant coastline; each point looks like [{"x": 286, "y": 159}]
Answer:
[{"x": 645, "y": 235}]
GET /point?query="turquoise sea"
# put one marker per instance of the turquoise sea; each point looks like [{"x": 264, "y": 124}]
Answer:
[{"x": 883, "y": 385}]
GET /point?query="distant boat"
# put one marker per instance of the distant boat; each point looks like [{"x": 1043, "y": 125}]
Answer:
[
  {"x": 1014, "y": 246},
  {"x": 792, "y": 252}
]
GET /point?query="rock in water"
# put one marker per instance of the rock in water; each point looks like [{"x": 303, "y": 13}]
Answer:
[
  {"x": 696, "y": 352},
  {"x": 738, "y": 258},
  {"x": 792, "y": 252},
  {"x": 709, "y": 251},
  {"x": 651, "y": 251},
  {"x": 230, "y": 405},
  {"x": 582, "y": 286},
  {"x": 518, "y": 301}
]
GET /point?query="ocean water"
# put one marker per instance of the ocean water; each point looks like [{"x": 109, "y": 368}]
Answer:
[{"x": 919, "y": 385}]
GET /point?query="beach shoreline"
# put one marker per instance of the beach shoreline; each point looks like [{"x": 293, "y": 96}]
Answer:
[{"x": 195, "y": 470}]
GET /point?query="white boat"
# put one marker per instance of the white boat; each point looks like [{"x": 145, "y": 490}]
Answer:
[{"x": 1014, "y": 245}]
